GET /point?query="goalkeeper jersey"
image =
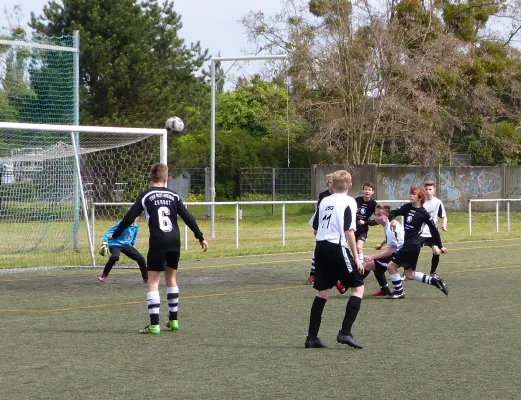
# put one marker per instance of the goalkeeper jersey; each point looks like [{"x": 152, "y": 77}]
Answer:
[
  {"x": 161, "y": 207},
  {"x": 126, "y": 238}
]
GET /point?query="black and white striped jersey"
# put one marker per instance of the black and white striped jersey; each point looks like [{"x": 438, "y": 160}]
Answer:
[
  {"x": 335, "y": 215},
  {"x": 161, "y": 207},
  {"x": 436, "y": 210},
  {"x": 415, "y": 219}
]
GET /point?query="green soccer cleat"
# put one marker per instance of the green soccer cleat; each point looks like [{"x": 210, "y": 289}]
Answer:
[
  {"x": 173, "y": 325},
  {"x": 150, "y": 329}
]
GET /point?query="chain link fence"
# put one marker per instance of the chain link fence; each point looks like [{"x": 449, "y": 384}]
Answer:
[{"x": 275, "y": 183}]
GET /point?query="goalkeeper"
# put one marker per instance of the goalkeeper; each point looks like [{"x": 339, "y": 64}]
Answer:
[{"x": 124, "y": 243}]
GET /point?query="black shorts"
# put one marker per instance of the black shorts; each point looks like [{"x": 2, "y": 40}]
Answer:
[
  {"x": 360, "y": 236},
  {"x": 427, "y": 241},
  {"x": 334, "y": 263},
  {"x": 158, "y": 260},
  {"x": 407, "y": 258}
]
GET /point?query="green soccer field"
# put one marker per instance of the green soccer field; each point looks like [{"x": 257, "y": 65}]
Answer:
[{"x": 243, "y": 325}]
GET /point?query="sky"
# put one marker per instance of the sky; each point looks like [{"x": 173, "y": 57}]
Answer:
[{"x": 214, "y": 23}]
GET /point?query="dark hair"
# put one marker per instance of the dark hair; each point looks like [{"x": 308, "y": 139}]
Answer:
[
  {"x": 158, "y": 172},
  {"x": 368, "y": 184}
]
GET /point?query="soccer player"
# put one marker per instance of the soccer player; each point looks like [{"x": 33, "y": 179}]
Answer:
[
  {"x": 365, "y": 208},
  {"x": 123, "y": 243},
  {"x": 162, "y": 207},
  {"x": 335, "y": 224},
  {"x": 321, "y": 196},
  {"x": 393, "y": 242},
  {"x": 416, "y": 217},
  {"x": 435, "y": 208}
]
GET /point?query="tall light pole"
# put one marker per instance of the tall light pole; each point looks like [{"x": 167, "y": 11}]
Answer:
[{"x": 212, "y": 133}]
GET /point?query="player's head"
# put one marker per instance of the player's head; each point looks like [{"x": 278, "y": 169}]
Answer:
[
  {"x": 341, "y": 181},
  {"x": 329, "y": 178},
  {"x": 417, "y": 194},
  {"x": 159, "y": 174},
  {"x": 382, "y": 213},
  {"x": 430, "y": 189},
  {"x": 368, "y": 189}
]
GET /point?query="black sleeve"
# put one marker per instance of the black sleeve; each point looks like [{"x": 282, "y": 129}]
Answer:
[
  {"x": 371, "y": 222},
  {"x": 129, "y": 218},
  {"x": 397, "y": 212},
  {"x": 435, "y": 233},
  {"x": 189, "y": 220},
  {"x": 315, "y": 220},
  {"x": 347, "y": 218}
]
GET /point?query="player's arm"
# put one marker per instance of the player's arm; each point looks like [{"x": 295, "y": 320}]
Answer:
[
  {"x": 108, "y": 233},
  {"x": 349, "y": 232},
  {"x": 130, "y": 217},
  {"x": 442, "y": 214},
  {"x": 435, "y": 233},
  {"x": 189, "y": 220}
]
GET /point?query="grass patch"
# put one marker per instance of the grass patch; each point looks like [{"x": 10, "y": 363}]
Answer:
[
  {"x": 51, "y": 244},
  {"x": 243, "y": 324}
]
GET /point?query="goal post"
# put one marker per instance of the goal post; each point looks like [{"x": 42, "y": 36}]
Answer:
[{"x": 42, "y": 165}]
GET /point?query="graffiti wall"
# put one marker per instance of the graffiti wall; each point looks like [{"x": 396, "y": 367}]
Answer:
[{"x": 454, "y": 185}]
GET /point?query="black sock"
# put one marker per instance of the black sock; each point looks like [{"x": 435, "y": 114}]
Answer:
[
  {"x": 154, "y": 319},
  {"x": 379, "y": 274},
  {"x": 352, "y": 308},
  {"x": 434, "y": 263},
  {"x": 366, "y": 274},
  {"x": 315, "y": 317}
]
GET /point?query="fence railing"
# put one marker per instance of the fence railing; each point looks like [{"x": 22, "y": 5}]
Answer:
[{"x": 497, "y": 201}]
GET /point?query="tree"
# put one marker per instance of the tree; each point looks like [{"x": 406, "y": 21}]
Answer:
[{"x": 135, "y": 70}]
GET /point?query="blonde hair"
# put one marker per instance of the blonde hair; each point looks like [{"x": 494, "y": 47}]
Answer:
[
  {"x": 341, "y": 180},
  {"x": 429, "y": 183},
  {"x": 384, "y": 208},
  {"x": 158, "y": 173}
]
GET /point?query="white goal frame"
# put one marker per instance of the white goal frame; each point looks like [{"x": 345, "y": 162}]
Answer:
[{"x": 75, "y": 130}]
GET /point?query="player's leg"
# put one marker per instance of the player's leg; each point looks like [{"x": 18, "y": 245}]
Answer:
[
  {"x": 355, "y": 281},
  {"x": 113, "y": 259},
  {"x": 360, "y": 246},
  {"x": 132, "y": 253},
  {"x": 380, "y": 268},
  {"x": 411, "y": 274},
  {"x": 311, "y": 277},
  {"x": 435, "y": 260},
  {"x": 155, "y": 265},
  {"x": 172, "y": 290},
  {"x": 396, "y": 279},
  {"x": 324, "y": 280}
]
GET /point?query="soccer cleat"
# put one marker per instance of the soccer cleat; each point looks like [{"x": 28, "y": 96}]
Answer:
[
  {"x": 435, "y": 276},
  {"x": 349, "y": 340},
  {"x": 150, "y": 329},
  {"x": 314, "y": 344},
  {"x": 310, "y": 280},
  {"x": 382, "y": 292},
  {"x": 438, "y": 282},
  {"x": 397, "y": 295},
  {"x": 102, "y": 277},
  {"x": 173, "y": 325},
  {"x": 341, "y": 288}
]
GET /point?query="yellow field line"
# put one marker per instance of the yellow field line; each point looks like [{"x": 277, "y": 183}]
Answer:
[{"x": 202, "y": 296}]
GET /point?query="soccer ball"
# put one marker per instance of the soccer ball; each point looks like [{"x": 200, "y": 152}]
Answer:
[{"x": 174, "y": 125}]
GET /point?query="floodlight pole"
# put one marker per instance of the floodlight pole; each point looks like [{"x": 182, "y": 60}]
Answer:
[{"x": 212, "y": 132}]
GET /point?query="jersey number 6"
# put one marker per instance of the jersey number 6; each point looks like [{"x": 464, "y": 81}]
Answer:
[{"x": 164, "y": 220}]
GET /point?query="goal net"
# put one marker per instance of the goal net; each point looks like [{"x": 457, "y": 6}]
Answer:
[{"x": 50, "y": 178}]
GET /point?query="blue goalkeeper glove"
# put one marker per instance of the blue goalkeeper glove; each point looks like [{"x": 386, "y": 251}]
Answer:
[{"x": 104, "y": 249}]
